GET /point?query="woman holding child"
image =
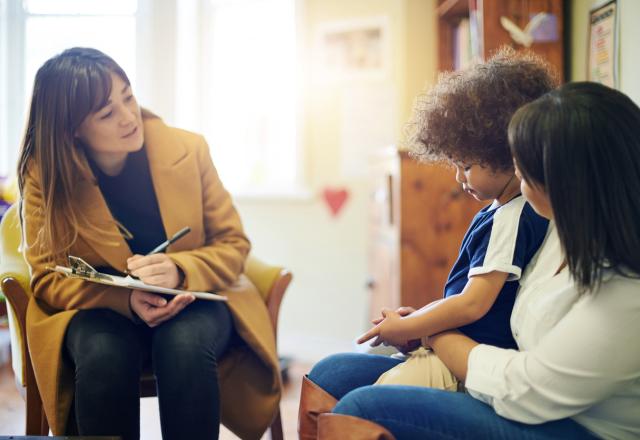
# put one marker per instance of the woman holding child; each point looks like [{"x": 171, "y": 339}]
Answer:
[{"x": 576, "y": 317}]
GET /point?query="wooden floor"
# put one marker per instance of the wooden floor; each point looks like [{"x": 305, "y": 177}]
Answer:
[{"x": 12, "y": 407}]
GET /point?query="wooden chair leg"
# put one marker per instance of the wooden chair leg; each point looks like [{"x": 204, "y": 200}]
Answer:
[
  {"x": 276, "y": 428},
  {"x": 36, "y": 419},
  {"x": 44, "y": 424}
]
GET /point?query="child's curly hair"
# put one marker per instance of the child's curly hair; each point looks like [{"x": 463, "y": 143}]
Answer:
[{"x": 464, "y": 117}]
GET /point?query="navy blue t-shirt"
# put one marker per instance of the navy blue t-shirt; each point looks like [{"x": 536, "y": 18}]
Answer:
[{"x": 504, "y": 239}]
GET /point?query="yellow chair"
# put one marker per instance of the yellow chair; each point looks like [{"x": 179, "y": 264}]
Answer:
[{"x": 271, "y": 281}]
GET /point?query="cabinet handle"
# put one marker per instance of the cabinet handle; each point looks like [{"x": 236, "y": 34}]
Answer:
[
  {"x": 390, "y": 198},
  {"x": 371, "y": 283}
]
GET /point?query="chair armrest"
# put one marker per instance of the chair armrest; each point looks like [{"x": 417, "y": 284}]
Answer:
[
  {"x": 18, "y": 300},
  {"x": 271, "y": 282},
  {"x": 274, "y": 299}
]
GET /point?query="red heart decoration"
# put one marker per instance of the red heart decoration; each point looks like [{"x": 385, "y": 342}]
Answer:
[{"x": 335, "y": 199}]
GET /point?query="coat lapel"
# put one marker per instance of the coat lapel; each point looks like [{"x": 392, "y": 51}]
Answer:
[
  {"x": 111, "y": 246},
  {"x": 174, "y": 173},
  {"x": 178, "y": 193}
]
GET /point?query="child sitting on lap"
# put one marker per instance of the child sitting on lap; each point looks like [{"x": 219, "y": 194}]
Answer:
[{"x": 463, "y": 120}]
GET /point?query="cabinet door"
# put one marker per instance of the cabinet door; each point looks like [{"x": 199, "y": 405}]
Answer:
[
  {"x": 384, "y": 275},
  {"x": 384, "y": 218},
  {"x": 435, "y": 216}
]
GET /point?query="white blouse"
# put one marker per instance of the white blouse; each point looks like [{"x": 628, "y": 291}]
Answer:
[{"x": 579, "y": 354}]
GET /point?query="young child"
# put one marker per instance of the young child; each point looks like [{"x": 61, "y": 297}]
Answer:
[{"x": 463, "y": 120}]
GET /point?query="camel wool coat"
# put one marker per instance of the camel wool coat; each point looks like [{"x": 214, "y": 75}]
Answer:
[{"x": 212, "y": 258}]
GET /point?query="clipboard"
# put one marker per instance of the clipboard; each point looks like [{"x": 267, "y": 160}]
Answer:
[{"x": 78, "y": 268}]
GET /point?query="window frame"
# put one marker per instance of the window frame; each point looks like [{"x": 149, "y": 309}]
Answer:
[{"x": 157, "y": 25}]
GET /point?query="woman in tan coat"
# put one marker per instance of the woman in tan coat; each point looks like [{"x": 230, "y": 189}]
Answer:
[{"x": 103, "y": 180}]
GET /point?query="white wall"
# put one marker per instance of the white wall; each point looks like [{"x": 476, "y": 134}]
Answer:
[{"x": 326, "y": 306}]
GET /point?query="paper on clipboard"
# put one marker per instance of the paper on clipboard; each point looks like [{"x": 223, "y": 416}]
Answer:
[{"x": 83, "y": 270}]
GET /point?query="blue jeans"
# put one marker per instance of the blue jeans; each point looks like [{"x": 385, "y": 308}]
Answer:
[
  {"x": 422, "y": 413},
  {"x": 108, "y": 352}
]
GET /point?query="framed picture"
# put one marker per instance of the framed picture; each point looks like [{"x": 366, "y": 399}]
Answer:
[
  {"x": 602, "y": 57},
  {"x": 354, "y": 49}
]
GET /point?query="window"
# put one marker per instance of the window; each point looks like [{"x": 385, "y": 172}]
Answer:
[
  {"x": 223, "y": 68},
  {"x": 52, "y": 26},
  {"x": 39, "y": 29},
  {"x": 245, "y": 92}
]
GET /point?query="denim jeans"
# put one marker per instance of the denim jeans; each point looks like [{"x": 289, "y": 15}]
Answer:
[
  {"x": 419, "y": 412},
  {"x": 108, "y": 352}
]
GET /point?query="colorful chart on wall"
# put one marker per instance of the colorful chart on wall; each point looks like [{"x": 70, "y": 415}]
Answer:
[{"x": 602, "y": 62}]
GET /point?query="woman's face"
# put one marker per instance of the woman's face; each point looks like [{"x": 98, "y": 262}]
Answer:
[
  {"x": 538, "y": 198},
  {"x": 115, "y": 129}
]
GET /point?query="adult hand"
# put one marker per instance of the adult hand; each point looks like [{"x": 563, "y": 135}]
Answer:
[
  {"x": 154, "y": 309},
  {"x": 453, "y": 348},
  {"x": 389, "y": 331},
  {"x": 155, "y": 269}
]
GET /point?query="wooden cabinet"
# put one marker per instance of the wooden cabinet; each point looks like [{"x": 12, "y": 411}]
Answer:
[
  {"x": 418, "y": 217},
  {"x": 384, "y": 232}
]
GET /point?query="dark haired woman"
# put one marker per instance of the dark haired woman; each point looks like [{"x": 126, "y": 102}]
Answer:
[
  {"x": 103, "y": 180},
  {"x": 497, "y": 248},
  {"x": 577, "y": 316}
]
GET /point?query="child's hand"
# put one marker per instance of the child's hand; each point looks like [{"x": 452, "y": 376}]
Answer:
[
  {"x": 389, "y": 331},
  {"x": 402, "y": 311}
]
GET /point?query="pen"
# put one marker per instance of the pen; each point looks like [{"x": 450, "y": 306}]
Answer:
[{"x": 178, "y": 235}]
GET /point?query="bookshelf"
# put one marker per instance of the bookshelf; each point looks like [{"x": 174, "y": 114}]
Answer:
[{"x": 479, "y": 21}]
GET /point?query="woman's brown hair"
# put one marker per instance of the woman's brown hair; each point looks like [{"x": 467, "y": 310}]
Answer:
[{"x": 67, "y": 88}]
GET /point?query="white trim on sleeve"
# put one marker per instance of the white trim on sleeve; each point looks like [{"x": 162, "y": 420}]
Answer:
[
  {"x": 513, "y": 271},
  {"x": 503, "y": 240}
]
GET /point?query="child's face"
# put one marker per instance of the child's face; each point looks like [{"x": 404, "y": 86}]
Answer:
[
  {"x": 536, "y": 196},
  {"x": 482, "y": 182}
]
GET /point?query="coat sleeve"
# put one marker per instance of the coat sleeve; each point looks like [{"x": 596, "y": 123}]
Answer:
[
  {"x": 220, "y": 261},
  {"x": 51, "y": 288}
]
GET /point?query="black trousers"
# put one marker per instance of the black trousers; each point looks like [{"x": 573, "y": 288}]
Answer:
[{"x": 108, "y": 352}]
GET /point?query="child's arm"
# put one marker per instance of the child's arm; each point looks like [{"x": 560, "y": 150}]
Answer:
[{"x": 471, "y": 304}]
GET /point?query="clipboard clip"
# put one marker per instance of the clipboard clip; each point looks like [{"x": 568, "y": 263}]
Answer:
[{"x": 81, "y": 268}]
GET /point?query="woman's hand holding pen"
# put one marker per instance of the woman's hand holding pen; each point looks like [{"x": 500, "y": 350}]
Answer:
[
  {"x": 159, "y": 270},
  {"x": 156, "y": 269}
]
